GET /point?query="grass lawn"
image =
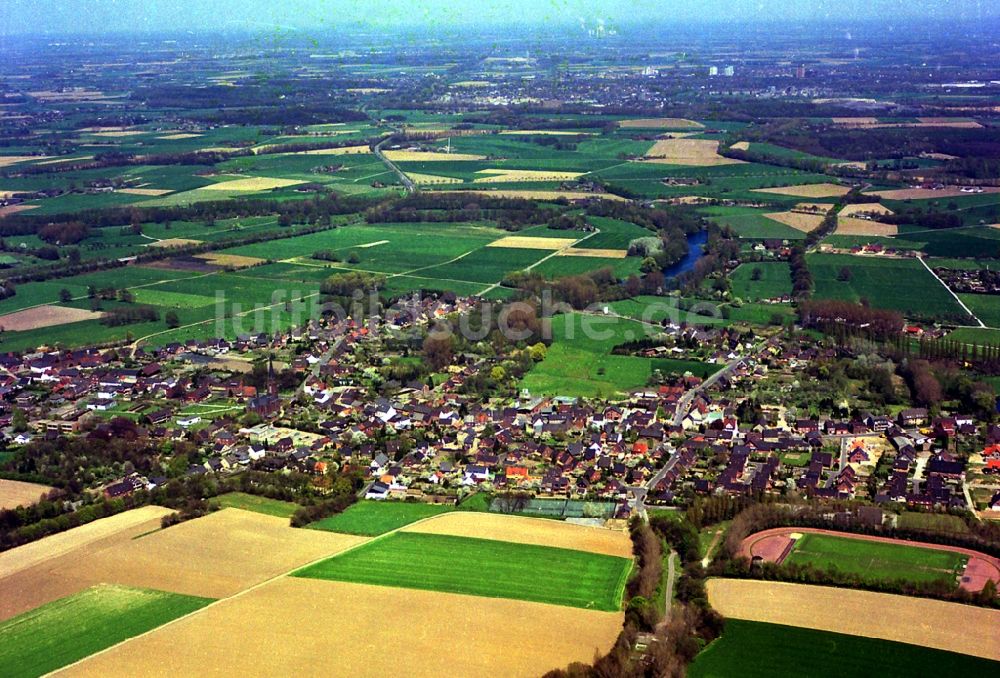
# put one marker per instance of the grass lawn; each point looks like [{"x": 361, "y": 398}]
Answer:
[
  {"x": 71, "y": 628},
  {"x": 251, "y": 502},
  {"x": 877, "y": 561},
  {"x": 371, "y": 518},
  {"x": 768, "y": 650},
  {"x": 482, "y": 567}
]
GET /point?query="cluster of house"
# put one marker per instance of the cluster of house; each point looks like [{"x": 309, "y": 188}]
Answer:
[
  {"x": 976, "y": 281},
  {"x": 436, "y": 443}
]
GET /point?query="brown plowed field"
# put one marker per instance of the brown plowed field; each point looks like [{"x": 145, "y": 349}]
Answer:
[
  {"x": 14, "y": 493},
  {"x": 919, "y": 621},
  {"x": 311, "y": 627}
]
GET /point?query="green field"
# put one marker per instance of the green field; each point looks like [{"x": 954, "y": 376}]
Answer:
[
  {"x": 775, "y": 280},
  {"x": 371, "y": 518},
  {"x": 71, "y": 628},
  {"x": 482, "y": 567},
  {"x": 877, "y": 561},
  {"x": 580, "y": 363},
  {"x": 899, "y": 284},
  {"x": 985, "y": 306},
  {"x": 252, "y": 502},
  {"x": 750, "y": 223},
  {"x": 754, "y": 649}
]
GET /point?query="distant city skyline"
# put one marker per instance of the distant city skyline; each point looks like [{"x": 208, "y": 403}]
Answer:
[{"x": 53, "y": 17}]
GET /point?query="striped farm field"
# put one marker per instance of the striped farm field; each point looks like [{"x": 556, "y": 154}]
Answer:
[
  {"x": 371, "y": 518},
  {"x": 69, "y": 629},
  {"x": 482, "y": 567}
]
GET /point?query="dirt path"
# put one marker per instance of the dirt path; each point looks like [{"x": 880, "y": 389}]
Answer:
[{"x": 960, "y": 302}]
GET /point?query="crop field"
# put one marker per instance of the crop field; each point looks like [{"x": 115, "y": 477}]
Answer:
[
  {"x": 294, "y": 626},
  {"x": 526, "y": 530},
  {"x": 660, "y": 123},
  {"x": 615, "y": 233},
  {"x": 775, "y": 280},
  {"x": 372, "y": 518},
  {"x": 855, "y": 226},
  {"x": 72, "y": 628},
  {"x": 580, "y": 365},
  {"x": 688, "y": 152},
  {"x": 797, "y": 220},
  {"x": 985, "y": 306},
  {"x": 565, "y": 264},
  {"x": 14, "y": 493},
  {"x": 257, "y": 504},
  {"x": 482, "y": 567},
  {"x": 531, "y": 243},
  {"x": 751, "y": 223},
  {"x": 44, "y": 316},
  {"x": 898, "y": 284},
  {"x": 213, "y": 556},
  {"x": 877, "y": 561},
  {"x": 945, "y": 626},
  {"x": 656, "y": 309},
  {"x": 749, "y": 648},
  {"x": 823, "y": 190}
]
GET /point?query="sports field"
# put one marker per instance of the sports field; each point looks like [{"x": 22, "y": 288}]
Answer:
[
  {"x": 748, "y": 648},
  {"x": 371, "y": 518},
  {"x": 482, "y": 567},
  {"x": 876, "y": 560},
  {"x": 75, "y": 627}
]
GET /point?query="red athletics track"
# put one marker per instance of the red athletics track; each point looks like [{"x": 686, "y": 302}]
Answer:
[{"x": 774, "y": 546}]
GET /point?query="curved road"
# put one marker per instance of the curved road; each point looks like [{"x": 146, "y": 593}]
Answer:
[{"x": 405, "y": 180}]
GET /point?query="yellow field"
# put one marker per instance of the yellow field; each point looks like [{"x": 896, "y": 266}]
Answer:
[
  {"x": 14, "y": 493},
  {"x": 432, "y": 179},
  {"x": 343, "y": 150},
  {"x": 525, "y": 530},
  {"x": 7, "y": 160},
  {"x": 690, "y": 152},
  {"x": 502, "y": 175},
  {"x": 145, "y": 191},
  {"x": 174, "y": 242},
  {"x": 306, "y": 627},
  {"x": 119, "y": 133},
  {"x": 855, "y": 226},
  {"x": 808, "y": 190},
  {"x": 797, "y": 220},
  {"x": 864, "y": 208},
  {"x": 179, "y": 135},
  {"x": 218, "y": 555},
  {"x": 926, "y": 193},
  {"x": 251, "y": 184},
  {"x": 660, "y": 123},
  {"x": 546, "y": 132},
  {"x": 14, "y": 209},
  {"x": 584, "y": 252},
  {"x": 525, "y": 242},
  {"x": 45, "y": 316},
  {"x": 931, "y": 623},
  {"x": 542, "y": 195},
  {"x": 430, "y": 156},
  {"x": 54, "y": 161},
  {"x": 741, "y": 146},
  {"x": 234, "y": 260}
]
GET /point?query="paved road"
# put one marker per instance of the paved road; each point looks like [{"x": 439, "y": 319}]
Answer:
[
  {"x": 668, "y": 599},
  {"x": 406, "y": 181}
]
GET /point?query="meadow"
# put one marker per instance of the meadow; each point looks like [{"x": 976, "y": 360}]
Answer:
[
  {"x": 748, "y": 648},
  {"x": 257, "y": 504},
  {"x": 583, "y": 366},
  {"x": 71, "y": 628},
  {"x": 898, "y": 284},
  {"x": 751, "y": 224},
  {"x": 372, "y": 518},
  {"x": 482, "y": 567},
  {"x": 877, "y": 561},
  {"x": 775, "y": 280}
]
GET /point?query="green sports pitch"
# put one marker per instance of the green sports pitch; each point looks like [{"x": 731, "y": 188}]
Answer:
[
  {"x": 482, "y": 567},
  {"x": 877, "y": 561}
]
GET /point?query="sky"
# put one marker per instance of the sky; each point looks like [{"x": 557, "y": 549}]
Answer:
[{"x": 55, "y": 17}]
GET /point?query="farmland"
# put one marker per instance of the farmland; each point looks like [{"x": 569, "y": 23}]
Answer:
[
  {"x": 257, "y": 504},
  {"x": 760, "y": 649},
  {"x": 75, "y": 627},
  {"x": 881, "y": 282},
  {"x": 773, "y": 280},
  {"x": 580, "y": 362},
  {"x": 482, "y": 567},
  {"x": 14, "y": 493},
  {"x": 373, "y": 518},
  {"x": 876, "y": 561},
  {"x": 956, "y": 627}
]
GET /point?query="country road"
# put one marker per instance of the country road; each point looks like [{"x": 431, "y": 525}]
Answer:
[{"x": 406, "y": 181}]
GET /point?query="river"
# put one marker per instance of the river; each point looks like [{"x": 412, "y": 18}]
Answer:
[{"x": 696, "y": 248}]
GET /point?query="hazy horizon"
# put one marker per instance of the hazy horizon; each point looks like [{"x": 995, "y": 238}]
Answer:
[{"x": 84, "y": 17}]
